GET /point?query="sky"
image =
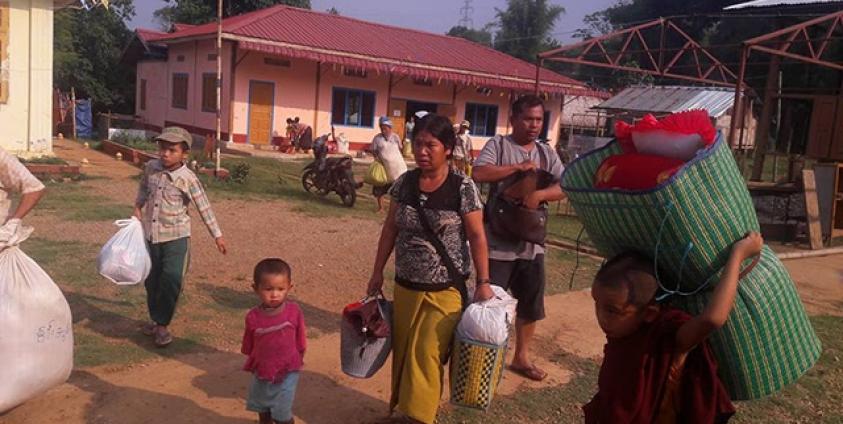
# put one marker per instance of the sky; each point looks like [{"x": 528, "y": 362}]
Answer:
[{"x": 436, "y": 16}]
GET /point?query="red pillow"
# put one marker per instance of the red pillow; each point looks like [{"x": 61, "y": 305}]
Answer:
[{"x": 634, "y": 171}]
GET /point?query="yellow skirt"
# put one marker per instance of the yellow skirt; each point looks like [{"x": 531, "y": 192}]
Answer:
[{"x": 422, "y": 334}]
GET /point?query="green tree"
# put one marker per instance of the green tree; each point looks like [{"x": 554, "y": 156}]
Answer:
[
  {"x": 480, "y": 36},
  {"x": 525, "y": 28},
  {"x": 88, "y": 47},
  {"x": 204, "y": 11}
]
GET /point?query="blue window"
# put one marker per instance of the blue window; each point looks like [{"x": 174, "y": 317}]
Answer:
[
  {"x": 483, "y": 118},
  {"x": 353, "y": 108}
]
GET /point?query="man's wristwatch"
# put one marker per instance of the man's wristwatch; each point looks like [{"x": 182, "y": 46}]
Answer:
[{"x": 484, "y": 281}]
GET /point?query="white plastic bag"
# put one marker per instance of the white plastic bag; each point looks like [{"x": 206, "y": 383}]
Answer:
[
  {"x": 489, "y": 321},
  {"x": 125, "y": 259},
  {"x": 36, "y": 333}
]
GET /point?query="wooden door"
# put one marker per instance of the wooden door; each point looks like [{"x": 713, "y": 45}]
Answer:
[
  {"x": 822, "y": 127},
  {"x": 397, "y": 109},
  {"x": 261, "y": 103}
]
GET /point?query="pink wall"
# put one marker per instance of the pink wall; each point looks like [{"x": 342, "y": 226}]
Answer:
[
  {"x": 293, "y": 96},
  {"x": 191, "y": 58},
  {"x": 295, "y": 93},
  {"x": 155, "y": 74}
]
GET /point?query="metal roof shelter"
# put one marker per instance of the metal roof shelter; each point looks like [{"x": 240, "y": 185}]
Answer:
[
  {"x": 794, "y": 43},
  {"x": 670, "y": 53},
  {"x": 776, "y": 3},
  {"x": 668, "y": 99}
]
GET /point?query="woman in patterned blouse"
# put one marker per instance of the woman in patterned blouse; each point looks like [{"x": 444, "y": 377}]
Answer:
[{"x": 429, "y": 298}]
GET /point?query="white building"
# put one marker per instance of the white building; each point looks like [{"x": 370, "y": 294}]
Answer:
[{"x": 26, "y": 75}]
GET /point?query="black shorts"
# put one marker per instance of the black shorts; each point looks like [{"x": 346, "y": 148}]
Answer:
[
  {"x": 379, "y": 191},
  {"x": 525, "y": 280}
]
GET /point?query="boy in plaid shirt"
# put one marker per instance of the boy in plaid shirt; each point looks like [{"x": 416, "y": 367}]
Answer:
[{"x": 166, "y": 189}]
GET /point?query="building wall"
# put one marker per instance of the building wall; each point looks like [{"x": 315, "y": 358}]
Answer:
[
  {"x": 157, "y": 94},
  {"x": 26, "y": 117},
  {"x": 295, "y": 94},
  {"x": 190, "y": 58}
]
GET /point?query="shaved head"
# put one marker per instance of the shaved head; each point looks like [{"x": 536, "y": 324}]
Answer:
[{"x": 632, "y": 272}]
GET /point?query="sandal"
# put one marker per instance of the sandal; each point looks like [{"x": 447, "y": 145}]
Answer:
[
  {"x": 163, "y": 337},
  {"x": 148, "y": 329},
  {"x": 532, "y": 372}
]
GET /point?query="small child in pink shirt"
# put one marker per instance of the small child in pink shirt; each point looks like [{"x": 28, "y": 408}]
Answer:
[{"x": 275, "y": 341}]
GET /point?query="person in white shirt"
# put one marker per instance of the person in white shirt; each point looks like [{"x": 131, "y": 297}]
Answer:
[
  {"x": 387, "y": 148},
  {"x": 462, "y": 157}
]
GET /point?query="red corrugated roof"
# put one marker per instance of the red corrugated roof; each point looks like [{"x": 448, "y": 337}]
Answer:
[
  {"x": 150, "y": 36},
  {"x": 337, "y": 39}
]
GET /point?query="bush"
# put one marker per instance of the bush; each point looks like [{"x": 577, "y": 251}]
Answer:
[
  {"x": 239, "y": 173},
  {"x": 134, "y": 142},
  {"x": 45, "y": 160}
]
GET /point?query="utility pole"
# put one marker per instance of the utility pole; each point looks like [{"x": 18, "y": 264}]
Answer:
[
  {"x": 219, "y": 87},
  {"x": 466, "y": 11}
]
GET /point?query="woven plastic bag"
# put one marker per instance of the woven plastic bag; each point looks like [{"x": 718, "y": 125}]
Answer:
[
  {"x": 768, "y": 341},
  {"x": 124, "y": 259},
  {"x": 362, "y": 354},
  {"x": 686, "y": 224},
  {"x": 489, "y": 321},
  {"x": 376, "y": 175},
  {"x": 36, "y": 343},
  {"x": 475, "y": 372}
]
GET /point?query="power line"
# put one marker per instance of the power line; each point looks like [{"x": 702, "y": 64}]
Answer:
[{"x": 466, "y": 11}]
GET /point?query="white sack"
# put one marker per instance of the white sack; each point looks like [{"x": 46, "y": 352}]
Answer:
[{"x": 36, "y": 333}]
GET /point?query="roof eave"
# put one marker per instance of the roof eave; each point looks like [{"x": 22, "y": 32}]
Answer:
[{"x": 234, "y": 37}]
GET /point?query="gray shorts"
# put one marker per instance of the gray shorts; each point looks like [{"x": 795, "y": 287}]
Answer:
[
  {"x": 525, "y": 280},
  {"x": 275, "y": 398}
]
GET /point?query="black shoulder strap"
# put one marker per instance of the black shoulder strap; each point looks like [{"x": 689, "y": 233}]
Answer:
[
  {"x": 457, "y": 279},
  {"x": 493, "y": 187},
  {"x": 543, "y": 161}
]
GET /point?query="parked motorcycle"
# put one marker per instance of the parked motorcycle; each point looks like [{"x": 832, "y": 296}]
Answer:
[{"x": 325, "y": 175}]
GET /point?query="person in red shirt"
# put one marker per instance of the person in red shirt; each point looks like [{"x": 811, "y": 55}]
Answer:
[
  {"x": 275, "y": 341},
  {"x": 657, "y": 366}
]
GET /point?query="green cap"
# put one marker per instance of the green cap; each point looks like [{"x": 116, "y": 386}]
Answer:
[{"x": 175, "y": 135}]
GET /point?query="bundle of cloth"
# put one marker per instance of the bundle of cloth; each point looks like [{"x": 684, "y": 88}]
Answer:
[
  {"x": 654, "y": 150},
  {"x": 670, "y": 189}
]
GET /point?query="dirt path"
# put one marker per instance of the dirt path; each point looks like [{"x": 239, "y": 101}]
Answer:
[
  {"x": 332, "y": 258},
  {"x": 820, "y": 283},
  {"x": 98, "y": 163}
]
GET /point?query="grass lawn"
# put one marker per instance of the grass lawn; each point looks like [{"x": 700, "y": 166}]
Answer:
[
  {"x": 282, "y": 179},
  {"x": 74, "y": 202},
  {"x": 274, "y": 179}
]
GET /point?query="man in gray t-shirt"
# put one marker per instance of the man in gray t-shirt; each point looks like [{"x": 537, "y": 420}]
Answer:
[{"x": 519, "y": 266}]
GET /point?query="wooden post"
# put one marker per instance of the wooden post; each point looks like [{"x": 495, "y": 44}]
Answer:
[
  {"x": 763, "y": 135},
  {"x": 737, "y": 107},
  {"x": 812, "y": 209},
  {"x": 107, "y": 124},
  {"x": 73, "y": 110}
]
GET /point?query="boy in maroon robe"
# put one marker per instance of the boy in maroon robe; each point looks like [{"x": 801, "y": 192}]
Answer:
[{"x": 657, "y": 366}]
